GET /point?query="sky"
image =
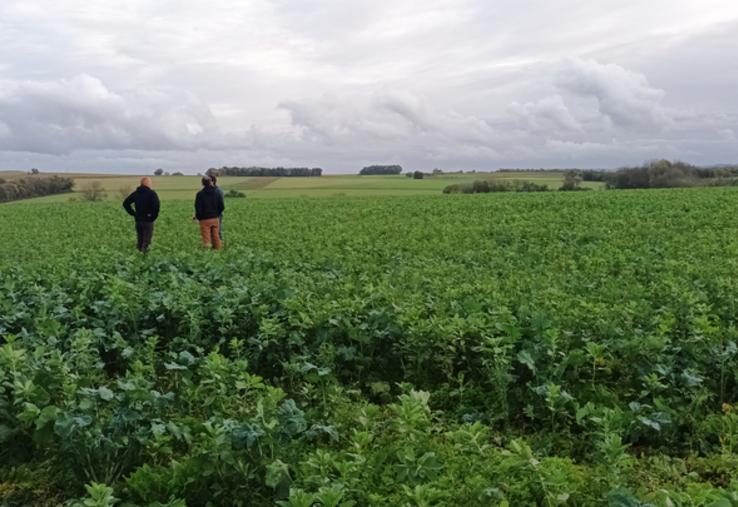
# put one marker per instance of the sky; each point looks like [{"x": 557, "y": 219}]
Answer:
[{"x": 186, "y": 85}]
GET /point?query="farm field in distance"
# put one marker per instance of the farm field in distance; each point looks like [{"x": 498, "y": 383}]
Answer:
[
  {"x": 185, "y": 187},
  {"x": 390, "y": 346}
]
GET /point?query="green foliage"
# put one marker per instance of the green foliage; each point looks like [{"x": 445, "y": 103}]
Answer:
[
  {"x": 278, "y": 172},
  {"x": 98, "y": 495},
  {"x": 33, "y": 186},
  {"x": 380, "y": 169},
  {"x": 423, "y": 351},
  {"x": 572, "y": 181},
  {"x": 486, "y": 186},
  {"x": 667, "y": 174},
  {"x": 93, "y": 192}
]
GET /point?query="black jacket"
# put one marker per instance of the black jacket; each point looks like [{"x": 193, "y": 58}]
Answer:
[
  {"x": 208, "y": 204},
  {"x": 146, "y": 203}
]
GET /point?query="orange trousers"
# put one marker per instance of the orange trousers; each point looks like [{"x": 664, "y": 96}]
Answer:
[{"x": 209, "y": 233}]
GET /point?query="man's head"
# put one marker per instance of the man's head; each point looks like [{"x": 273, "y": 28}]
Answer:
[
  {"x": 214, "y": 179},
  {"x": 146, "y": 182},
  {"x": 206, "y": 181}
]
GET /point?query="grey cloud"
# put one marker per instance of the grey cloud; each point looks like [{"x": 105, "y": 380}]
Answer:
[
  {"x": 83, "y": 113},
  {"x": 330, "y": 119},
  {"x": 458, "y": 83},
  {"x": 395, "y": 120},
  {"x": 577, "y": 149},
  {"x": 727, "y": 134}
]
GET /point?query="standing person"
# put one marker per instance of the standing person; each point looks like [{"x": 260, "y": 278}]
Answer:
[
  {"x": 208, "y": 206},
  {"x": 214, "y": 179},
  {"x": 143, "y": 205}
]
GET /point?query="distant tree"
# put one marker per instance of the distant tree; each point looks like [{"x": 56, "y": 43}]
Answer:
[
  {"x": 529, "y": 186},
  {"x": 35, "y": 186},
  {"x": 437, "y": 172},
  {"x": 418, "y": 175},
  {"x": 35, "y": 171},
  {"x": 593, "y": 175},
  {"x": 663, "y": 173},
  {"x": 159, "y": 172},
  {"x": 275, "y": 172},
  {"x": 177, "y": 174},
  {"x": 487, "y": 186},
  {"x": 572, "y": 181},
  {"x": 373, "y": 170},
  {"x": 93, "y": 192}
]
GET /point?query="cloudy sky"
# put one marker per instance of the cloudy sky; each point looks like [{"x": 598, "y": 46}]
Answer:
[{"x": 127, "y": 86}]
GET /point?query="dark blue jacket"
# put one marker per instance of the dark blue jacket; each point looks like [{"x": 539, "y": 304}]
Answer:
[
  {"x": 146, "y": 204},
  {"x": 208, "y": 204}
]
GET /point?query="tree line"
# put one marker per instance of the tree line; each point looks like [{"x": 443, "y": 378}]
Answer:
[
  {"x": 281, "y": 172},
  {"x": 162, "y": 172},
  {"x": 653, "y": 174},
  {"x": 484, "y": 187},
  {"x": 33, "y": 186},
  {"x": 667, "y": 174},
  {"x": 374, "y": 170}
]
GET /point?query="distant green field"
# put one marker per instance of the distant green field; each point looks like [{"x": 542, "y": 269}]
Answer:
[{"x": 184, "y": 187}]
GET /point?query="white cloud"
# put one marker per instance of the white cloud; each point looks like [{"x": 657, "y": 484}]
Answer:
[
  {"x": 548, "y": 113},
  {"x": 625, "y": 97}
]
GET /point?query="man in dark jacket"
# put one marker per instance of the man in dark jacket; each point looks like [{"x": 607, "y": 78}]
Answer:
[
  {"x": 143, "y": 205},
  {"x": 209, "y": 205}
]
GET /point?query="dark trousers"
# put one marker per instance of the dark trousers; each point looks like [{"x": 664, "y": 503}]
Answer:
[{"x": 144, "y": 233}]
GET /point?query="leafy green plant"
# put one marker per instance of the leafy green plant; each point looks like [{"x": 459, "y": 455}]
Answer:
[{"x": 528, "y": 349}]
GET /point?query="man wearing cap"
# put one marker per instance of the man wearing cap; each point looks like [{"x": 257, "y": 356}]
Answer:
[{"x": 143, "y": 205}]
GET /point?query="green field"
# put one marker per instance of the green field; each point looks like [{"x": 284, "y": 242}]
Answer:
[
  {"x": 562, "y": 348},
  {"x": 185, "y": 187}
]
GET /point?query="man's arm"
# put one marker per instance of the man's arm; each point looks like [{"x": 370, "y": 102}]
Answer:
[
  {"x": 156, "y": 206},
  {"x": 197, "y": 206},
  {"x": 127, "y": 205}
]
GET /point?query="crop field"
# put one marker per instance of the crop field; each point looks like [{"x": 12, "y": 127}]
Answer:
[
  {"x": 563, "y": 348},
  {"x": 185, "y": 187}
]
